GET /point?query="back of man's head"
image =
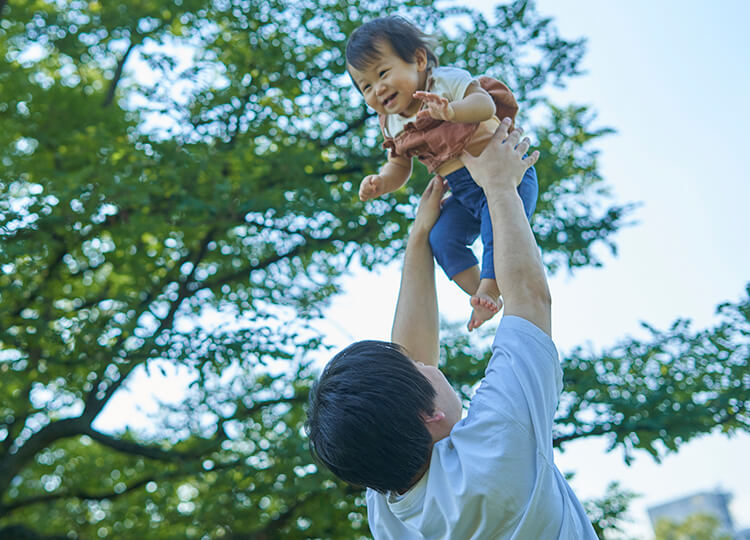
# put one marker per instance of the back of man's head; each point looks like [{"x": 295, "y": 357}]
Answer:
[{"x": 365, "y": 420}]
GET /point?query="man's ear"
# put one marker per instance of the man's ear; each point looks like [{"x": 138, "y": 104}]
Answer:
[{"x": 436, "y": 416}]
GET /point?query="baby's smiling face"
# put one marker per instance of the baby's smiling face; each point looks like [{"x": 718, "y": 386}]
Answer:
[{"x": 389, "y": 82}]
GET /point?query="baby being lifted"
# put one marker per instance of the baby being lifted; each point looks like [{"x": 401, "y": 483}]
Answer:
[{"x": 435, "y": 113}]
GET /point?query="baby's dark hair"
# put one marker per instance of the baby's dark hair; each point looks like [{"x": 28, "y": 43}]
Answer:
[{"x": 405, "y": 38}]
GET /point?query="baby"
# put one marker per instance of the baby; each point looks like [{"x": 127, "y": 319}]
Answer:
[{"x": 435, "y": 113}]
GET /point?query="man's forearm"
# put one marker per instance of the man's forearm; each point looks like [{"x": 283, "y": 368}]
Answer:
[
  {"x": 415, "y": 325},
  {"x": 518, "y": 265}
]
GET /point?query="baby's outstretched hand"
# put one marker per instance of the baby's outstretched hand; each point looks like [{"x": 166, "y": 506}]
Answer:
[
  {"x": 438, "y": 107},
  {"x": 371, "y": 187}
]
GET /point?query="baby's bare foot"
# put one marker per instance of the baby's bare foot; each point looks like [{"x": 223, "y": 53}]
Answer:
[{"x": 485, "y": 308}]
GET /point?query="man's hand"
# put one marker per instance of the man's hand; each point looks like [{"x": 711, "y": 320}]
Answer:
[
  {"x": 371, "y": 187},
  {"x": 501, "y": 163},
  {"x": 438, "y": 107},
  {"x": 429, "y": 205}
]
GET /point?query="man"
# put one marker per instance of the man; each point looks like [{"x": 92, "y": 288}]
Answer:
[{"x": 382, "y": 415}]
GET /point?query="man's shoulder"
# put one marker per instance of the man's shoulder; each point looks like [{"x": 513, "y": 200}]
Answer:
[{"x": 522, "y": 382}]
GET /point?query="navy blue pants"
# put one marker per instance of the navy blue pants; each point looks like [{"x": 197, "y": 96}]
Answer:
[{"x": 465, "y": 216}]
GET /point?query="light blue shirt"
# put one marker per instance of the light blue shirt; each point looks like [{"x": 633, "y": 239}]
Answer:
[{"x": 493, "y": 477}]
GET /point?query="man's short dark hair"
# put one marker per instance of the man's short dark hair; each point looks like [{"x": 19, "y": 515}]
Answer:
[
  {"x": 365, "y": 418},
  {"x": 405, "y": 38}
]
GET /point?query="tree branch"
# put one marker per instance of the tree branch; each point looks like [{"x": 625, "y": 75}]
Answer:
[
  {"x": 134, "y": 448},
  {"x": 21, "y": 532},
  {"x": 14, "y": 428},
  {"x": 48, "y": 497},
  {"x": 60, "y": 429},
  {"x": 271, "y": 530},
  {"x": 118, "y": 75},
  {"x": 258, "y": 405},
  {"x": 94, "y": 404},
  {"x": 51, "y": 267},
  {"x": 558, "y": 441},
  {"x": 220, "y": 280},
  {"x": 173, "y": 456},
  {"x": 349, "y": 127},
  {"x": 599, "y": 429},
  {"x": 84, "y": 495},
  {"x": 184, "y": 289},
  {"x": 233, "y": 137}
]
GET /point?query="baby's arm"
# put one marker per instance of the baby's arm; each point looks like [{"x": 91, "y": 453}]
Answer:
[
  {"x": 476, "y": 106},
  {"x": 392, "y": 176}
]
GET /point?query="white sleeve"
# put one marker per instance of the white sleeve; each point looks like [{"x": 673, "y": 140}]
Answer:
[
  {"x": 523, "y": 379},
  {"x": 451, "y": 82}
]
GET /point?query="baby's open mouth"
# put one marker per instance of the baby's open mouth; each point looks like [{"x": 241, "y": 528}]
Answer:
[{"x": 387, "y": 101}]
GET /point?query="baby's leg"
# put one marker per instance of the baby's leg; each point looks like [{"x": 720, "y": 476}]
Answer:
[
  {"x": 485, "y": 303},
  {"x": 485, "y": 296},
  {"x": 468, "y": 280},
  {"x": 450, "y": 238}
]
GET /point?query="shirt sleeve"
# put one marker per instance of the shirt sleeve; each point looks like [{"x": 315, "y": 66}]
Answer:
[
  {"x": 451, "y": 82},
  {"x": 523, "y": 379}
]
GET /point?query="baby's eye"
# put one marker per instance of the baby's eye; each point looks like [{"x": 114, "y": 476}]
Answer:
[
  {"x": 383, "y": 72},
  {"x": 365, "y": 88}
]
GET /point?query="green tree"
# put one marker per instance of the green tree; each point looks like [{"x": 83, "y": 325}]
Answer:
[
  {"x": 696, "y": 527},
  {"x": 163, "y": 162},
  {"x": 609, "y": 512}
]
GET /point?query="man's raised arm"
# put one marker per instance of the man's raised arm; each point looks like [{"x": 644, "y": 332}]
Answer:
[
  {"x": 518, "y": 264},
  {"x": 415, "y": 325}
]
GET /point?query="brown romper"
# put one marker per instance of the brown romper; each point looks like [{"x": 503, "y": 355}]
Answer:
[{"x": 435, "y": 142}]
